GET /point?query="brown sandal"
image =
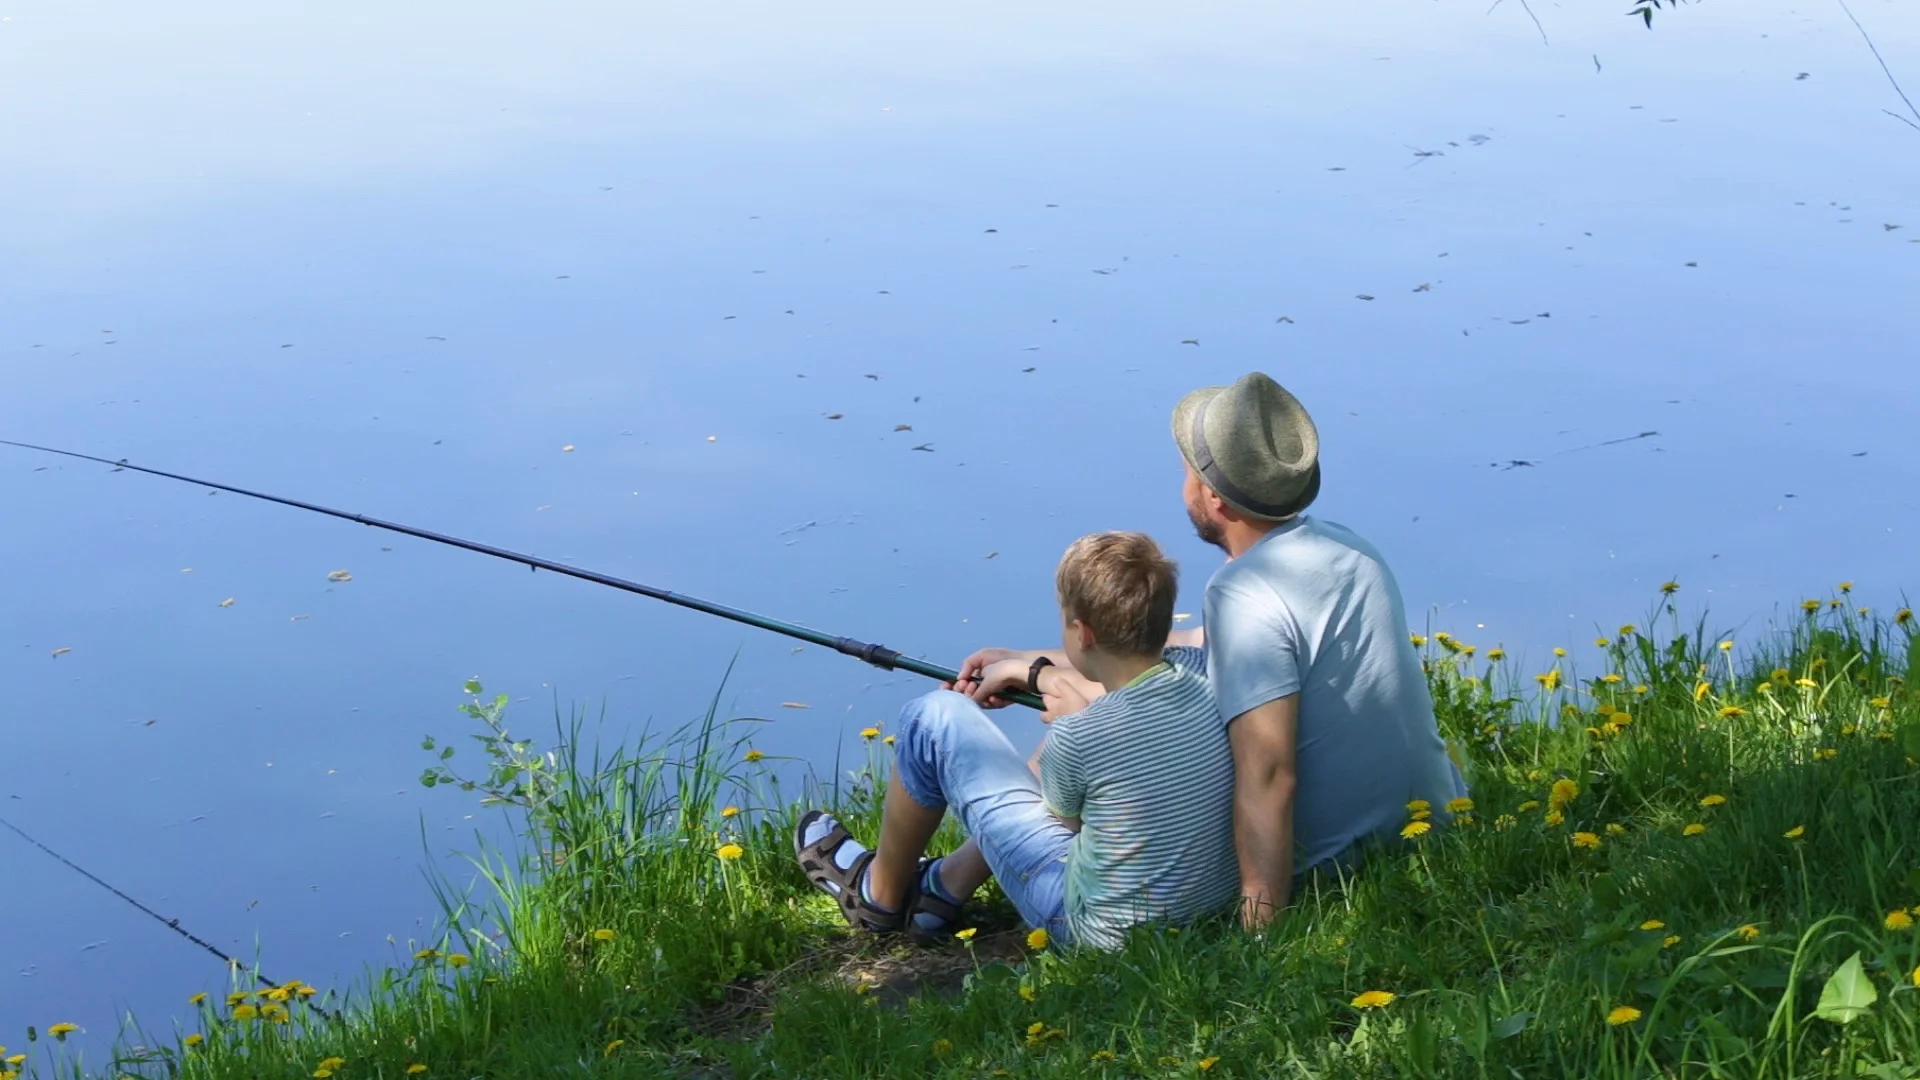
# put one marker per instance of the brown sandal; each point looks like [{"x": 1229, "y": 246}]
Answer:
[
  {"x": 816, "y": 861},
  {"x": 923, "y": 902}
]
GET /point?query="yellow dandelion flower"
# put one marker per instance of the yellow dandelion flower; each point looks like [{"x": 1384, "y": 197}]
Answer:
[
  {"x": 322, "y": 1074},
  {"x": 279, "y": 993},
  {"x": 888, "y": 740},
  {"x": 1590, "y": 841},
  {"x": 1036, "y": 1028},
  {"x": 245, "y": 1012},
  {"x": 1612, "y": 678},
  {"x": 1701, "y": 690},
  {"x": 1418, "y": 640},
  {"x": 1415, "y": 829},
  {"x": 1749, "y": 932},
  {"x": 1846, "y": 586},
  {"x": 1881, "y": 703},
  {"x": 1732, "y": 712},
  {"x": 1670, "y": 941},
  {"x": 1373, "y": 999},
  {"x": 458, "y": 960},
  {"x": 197, "y": 999},
  {"x": 1037, "y": 938},
  {"x": 604, "y": 935},
  {"x": 1028, "y": 993},
  {"x": 416, "y": 1069},
  {"x": 1903, "y": 616},
  {"x": 1825, "y": 753},
  {"x": 1496, "y": 654},
  {"x": 1558, "y": 651},
  {"x": 1809, "y": 606},
  {"x": 1642, "y": 688},
  {"x": 753, "y": 755},
  {"x": 729, "y": 852},
  {"x": 275, "y": 1013},
  {"x": 1898, "y": 920},
  {"x": 1694, "y": 829},
  {"x": 967, "y": 934},
  {"x": 1628, "y": 630},
  {"x": 1549, "y": 680},
  {"x": 1795, "y": 833},
  {"x": 1418, "y": 805},
  {"x": 1616, "y": 829},
  {"x": 1713, "y": 800},
  {"x": 194, "y": 1040},
  {"x": 1726, "y": 646},
  {"x": 1460, "y": 805},
  {"x": 1622, "y": 1014},
  {"x": 1206, "y": 1064},
  {"x": 1529, "y": 806},
  {"x": 1780, "y": 675},
  {"x": 870, "y": 733},
  {"x": 942, "y": 1047},
  {"x": 428, "y": 955},
  {"x": 1670, "y": 588},
  {"x": 1563, "y": 792},
  {"x": 1806, "y": 684},
  {"x": 1653, "y": 924},
  {"x": 612, "y": 1046},
  {"x": 729, "y": 811},
  {"x": 1621, "y": 718},
  {"x": 331, "y": 1063},
  {"x": 1603, "y": 642},
  {"x": 1836, "y": 604},
  {"x": 1420, "y": 815},
  {"x": 1555, "y": 818},
  {"x": 1101, "y": 1057}
]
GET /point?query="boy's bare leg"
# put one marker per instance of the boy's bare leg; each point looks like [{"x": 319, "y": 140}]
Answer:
[
  {"x": 964, "y": 871},
  {"x": 905, "y": 828}
]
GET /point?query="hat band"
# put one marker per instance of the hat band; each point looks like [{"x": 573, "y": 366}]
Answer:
[{"x": 1209, "y": 470}]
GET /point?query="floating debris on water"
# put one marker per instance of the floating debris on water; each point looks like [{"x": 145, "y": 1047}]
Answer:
[
  {"x": 795, "y": 705},
  {"x": 228, "y": 602},
  {"x": 63, "y": 650},
  {"x": 339, "y": 575},
  {"x": 567, "y": 449}
]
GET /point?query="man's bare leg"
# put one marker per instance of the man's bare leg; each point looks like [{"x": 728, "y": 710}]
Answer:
[{"x": 964, "y": 871}]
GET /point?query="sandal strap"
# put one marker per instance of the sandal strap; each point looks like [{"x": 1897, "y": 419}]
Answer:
[{"x": 861, "y": 913}]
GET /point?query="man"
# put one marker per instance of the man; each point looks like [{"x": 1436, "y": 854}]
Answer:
[{"x": 1326, "y": 706}]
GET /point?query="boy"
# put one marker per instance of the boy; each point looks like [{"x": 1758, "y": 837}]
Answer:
[{"x": 1130, "y": 818}]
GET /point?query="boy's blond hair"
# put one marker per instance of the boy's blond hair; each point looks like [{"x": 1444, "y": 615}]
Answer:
[{"x": 1123, "y": 587}]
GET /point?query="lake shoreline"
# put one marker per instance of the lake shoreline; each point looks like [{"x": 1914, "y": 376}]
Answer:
[{"x": 1691, "y": 862}]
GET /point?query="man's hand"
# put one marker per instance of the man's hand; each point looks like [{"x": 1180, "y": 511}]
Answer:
[{"x": 1263, "y": 740}]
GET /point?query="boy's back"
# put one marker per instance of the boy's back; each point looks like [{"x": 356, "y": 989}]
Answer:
[{"x": 1148, "y": 771}]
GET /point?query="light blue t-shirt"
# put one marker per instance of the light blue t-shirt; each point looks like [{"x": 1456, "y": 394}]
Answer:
[{"x": 1312, "y": 609}]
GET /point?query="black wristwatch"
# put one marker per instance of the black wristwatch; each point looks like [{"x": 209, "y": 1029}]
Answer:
[{"x": 1033, "y": 673}]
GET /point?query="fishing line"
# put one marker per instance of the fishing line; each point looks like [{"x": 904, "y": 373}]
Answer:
[
  {"x": 878, "y": 655},
  {"x": 172, "y": 924}
]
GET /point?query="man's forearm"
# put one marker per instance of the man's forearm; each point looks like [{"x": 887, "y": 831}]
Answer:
[{"x": 1263, "y": 837}]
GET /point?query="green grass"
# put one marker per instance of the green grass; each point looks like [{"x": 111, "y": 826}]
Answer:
[{"x": 1760, "y": 947}]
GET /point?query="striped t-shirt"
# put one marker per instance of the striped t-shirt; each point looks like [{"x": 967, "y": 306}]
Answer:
[{"x": 1147, "y": 770}]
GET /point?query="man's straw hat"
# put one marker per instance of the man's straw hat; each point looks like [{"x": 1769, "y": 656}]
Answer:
[{"x": 1253, "y": 443}]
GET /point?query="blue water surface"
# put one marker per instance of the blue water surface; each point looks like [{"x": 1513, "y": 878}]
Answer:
[{"x": 1574, "y": 317}]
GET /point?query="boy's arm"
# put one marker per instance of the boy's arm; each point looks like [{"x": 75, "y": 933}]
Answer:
[
  {"x": 1061, "y": 789},
  {"x": 1263, "y": 740}
]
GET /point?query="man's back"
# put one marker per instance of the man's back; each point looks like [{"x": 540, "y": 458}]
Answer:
[{"x": 1312, "y": 609}]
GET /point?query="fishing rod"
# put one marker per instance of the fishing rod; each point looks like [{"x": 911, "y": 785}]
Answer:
[
  {"x": 173, "y": 924},
  {"x": 878, "y": 655}
]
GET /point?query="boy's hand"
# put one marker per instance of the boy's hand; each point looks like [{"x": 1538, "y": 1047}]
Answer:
[
  {"x": 1061, "y": 699},
  {"x": 970, "y": 672},
  {"x": 993, "y": 678}
]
